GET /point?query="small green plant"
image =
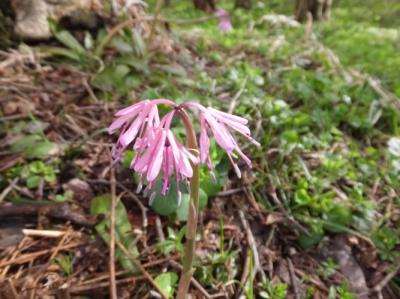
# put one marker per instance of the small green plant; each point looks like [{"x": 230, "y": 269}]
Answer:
[
  {"x": 218, "y": 266},
  {"x": 386, "y": 239},
  {"x": 327, "y": 268},
  {"x": 38, "y": 171},
  {"x": 64, "y": 196},
  {"x": 65, "y": 262},
  {"x": 341, "y": 292},
  {"x": 167, "y": 282},
  {"x": 270, "y": 290},
  {"x": 174, "y": 242}
]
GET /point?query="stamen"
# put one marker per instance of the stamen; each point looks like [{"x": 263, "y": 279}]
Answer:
[
  {"x": 146, "y": 190},
  {"x": 152, "y": 198},
  {"x": 179, "y": 199},
  {"x": 237, "y": 170},
  {"x": 139, "y": 186}
]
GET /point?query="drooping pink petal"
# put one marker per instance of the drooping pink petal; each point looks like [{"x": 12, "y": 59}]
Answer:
[
  {"x": 220, "y": 133},
  {"x": 129, "y": 135},
  {"x": 119, "y": 122},
  {"x": 132, "y": 110},
  {"x": 204, "y": 140},
  {"x": 227, "y": 116},
  {"x": 156, "y": 157}
]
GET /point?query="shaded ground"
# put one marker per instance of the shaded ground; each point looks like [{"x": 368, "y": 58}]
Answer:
[{"x": 318, "y": 215}]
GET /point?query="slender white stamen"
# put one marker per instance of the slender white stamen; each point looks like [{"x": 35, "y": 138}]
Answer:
[
  {"x": 237, "y": 170},
  {"x": 152, "y": 198},
  {"x": 139, "y": 186},
  {"x": 146, "y": 190},
  {"x": 179, "y": 199}
]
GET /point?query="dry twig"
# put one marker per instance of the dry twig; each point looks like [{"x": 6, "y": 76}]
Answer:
[
  {"x": 193, "y": 280},
  {"x": 252, "y": 243},
  {"x": 293, "y": 278},
  {"x": 43, "y": 233},
  {"x": 141, "y": 268}
]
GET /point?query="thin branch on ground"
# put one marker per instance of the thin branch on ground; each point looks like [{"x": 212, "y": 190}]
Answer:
[
  {"x": 293, "y": 278},
  {"x": 8, "y": 189},
  {"x": 193, "y": 281},
  {"x": 252, "y": 244},
  {"x": 141, "y": 268},
  {"x": 384, "y": 282},
  {"x": 275, "y": 199},
  {"x": 230, "y": 192}
]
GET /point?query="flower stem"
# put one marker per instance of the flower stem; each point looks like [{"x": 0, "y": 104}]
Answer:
[{"x": 191, "y": 226}]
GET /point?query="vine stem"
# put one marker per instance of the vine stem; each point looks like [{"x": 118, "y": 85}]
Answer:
[{"x": 191, "y": 226}]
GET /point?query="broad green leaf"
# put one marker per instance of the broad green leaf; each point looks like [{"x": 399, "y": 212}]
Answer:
[
  {"x": 337, "y": 218},
  {"x": 42, "y": 150},
  {"x": 168, "y": 204},
  {"x": 57, "y": 51},
  {"x": 123, "y": 229},
  {"x": 309, "y": 241},
  {"x": 183, "y": 209},
  {"x": 33, "y": 181},
  {"x": 66, "y": 38},
  {"x": 25, "y": 142},
  {"x": 35, "y": 146},
  {"x": 167, "y": 282}
]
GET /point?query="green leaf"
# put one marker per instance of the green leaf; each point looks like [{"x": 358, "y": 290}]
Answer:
[
  {"x": 42, "y": 150},
  {"x": 309, "y": 241},
  {"x": 25, "y": 142},
  {"x": 337, "y": 218},
  {"x": 183, "y": 209},
  {"x": 66, "y": 38},
  {"x": 173, "y": 69},
  {"x": 35, "y": 146},
  {"x": 33, "y": 181},
  {"x": 203, "y": 199},
  {"x": 57, "y": 51},
  {"x": 123, "y": 229},
  {"x": 168, "y": 204},
  {"x": 167, "y": 282}
]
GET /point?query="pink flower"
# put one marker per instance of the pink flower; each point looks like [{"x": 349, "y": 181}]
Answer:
[
  {"x": 159, "y": 152},
  {"x": 224, "y": 20},
  {"x": 218, "y": 123}
]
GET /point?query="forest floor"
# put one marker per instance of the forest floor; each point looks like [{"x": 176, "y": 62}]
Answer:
[{"x": 316, "y": 217}]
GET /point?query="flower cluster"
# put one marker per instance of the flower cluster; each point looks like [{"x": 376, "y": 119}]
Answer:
[
  {"x": 224, "y": 20},
  {"x": 159, "y": 151}
]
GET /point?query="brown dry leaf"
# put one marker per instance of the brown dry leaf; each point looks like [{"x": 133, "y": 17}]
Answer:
[
  {"x": 273, "y": 218},
  {"x": 17, "y": 105}
]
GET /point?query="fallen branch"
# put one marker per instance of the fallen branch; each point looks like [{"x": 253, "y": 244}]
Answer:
[{"x": 57, "y": 211}]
